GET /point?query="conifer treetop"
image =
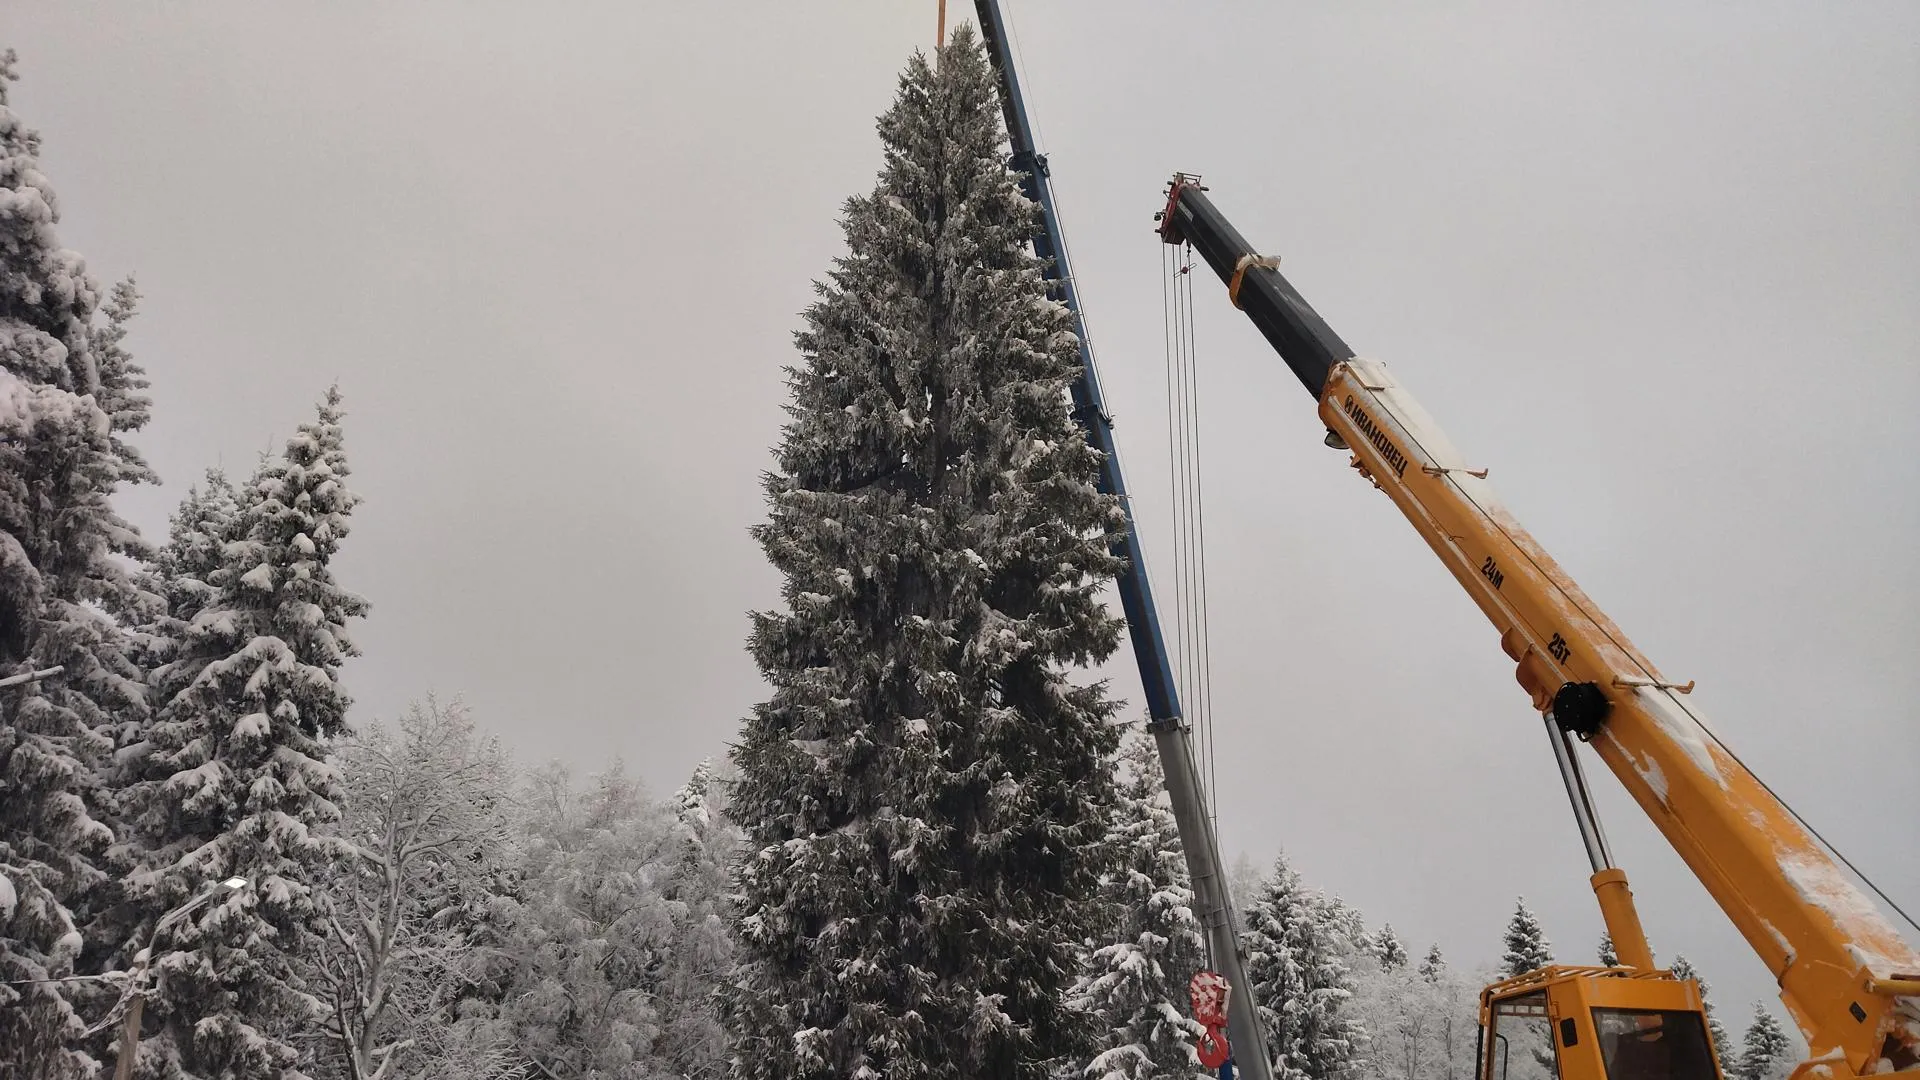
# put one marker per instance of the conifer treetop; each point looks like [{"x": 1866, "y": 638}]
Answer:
[{"x": 1526, "y": 943}]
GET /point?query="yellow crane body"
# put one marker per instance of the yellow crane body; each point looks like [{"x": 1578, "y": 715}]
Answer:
[
  {"x": 1594, "y": 1023},
  {"x": 1850, "y": 981}
]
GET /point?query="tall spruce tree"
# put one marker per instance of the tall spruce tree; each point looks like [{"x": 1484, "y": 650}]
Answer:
[
  {"x": 64, "y": 577},
  {"x": 1526, "y": 943},
  {"x": 1297, "y": 978},
  {"x": 234, "y": 779},
  {"x": 925, "y": 792},
  {"x": 1136, "y": 983}
]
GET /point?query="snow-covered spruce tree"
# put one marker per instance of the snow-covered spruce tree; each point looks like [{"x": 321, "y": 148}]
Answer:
[
  {"x": 925, "y": 792},
  {"x": 63, "y": 579},
  {"x": 1526, "y": 943},
  {"x": 1136, "y": 985},
  {"x": 183, "y": 573},
  {"x": 234, "y": 781},
  {"x": 1608, "y": 957},
  {"x": 1387, "y": 949},
  {"x": 701, "y": 955},
  {"x": 1297, "y": 978},
  {"x": 1682, "y": 968},
  {"x": 1766, "y": 1053},
  {"x": 1527, "y": 948},
  {"x": 180, "y": 576},
  {"x": 1434, "y": 966}
]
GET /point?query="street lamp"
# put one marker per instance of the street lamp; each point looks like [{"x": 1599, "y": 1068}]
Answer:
[{"x": 136, "y": 982}]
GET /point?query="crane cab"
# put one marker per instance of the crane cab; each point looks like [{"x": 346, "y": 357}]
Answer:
[{"x": 1594, "y": 1023}]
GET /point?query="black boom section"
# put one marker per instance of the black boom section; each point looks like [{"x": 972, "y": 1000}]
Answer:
[{"x": 1297, "y": 332}]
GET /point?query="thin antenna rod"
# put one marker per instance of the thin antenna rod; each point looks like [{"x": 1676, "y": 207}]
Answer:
[{"x": 942, "y": 38}]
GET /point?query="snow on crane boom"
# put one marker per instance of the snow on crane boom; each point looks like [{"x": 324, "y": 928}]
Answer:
[
  {"x": 1851, "y": 983},
  {"x": 1171, "y": 733}
]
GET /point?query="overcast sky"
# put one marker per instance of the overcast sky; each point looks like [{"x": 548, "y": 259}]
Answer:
[{"x": 1654, "y": 264}]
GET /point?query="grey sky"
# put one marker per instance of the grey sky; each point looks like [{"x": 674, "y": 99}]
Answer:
[{"x": 1654, "y": 264}]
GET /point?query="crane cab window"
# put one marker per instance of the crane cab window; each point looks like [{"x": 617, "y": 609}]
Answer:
[
  {"x": 1520, "y": 1043},
  {"x": 1645, "y": 1044}
]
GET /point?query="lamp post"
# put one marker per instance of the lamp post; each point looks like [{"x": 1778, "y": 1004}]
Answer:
[{"x": 136, "y": 982}]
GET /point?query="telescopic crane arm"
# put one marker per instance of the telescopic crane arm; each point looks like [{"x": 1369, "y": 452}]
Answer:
[
  {"x": 1213, "y": 898},
  {"x": 1851, "y": 983}
]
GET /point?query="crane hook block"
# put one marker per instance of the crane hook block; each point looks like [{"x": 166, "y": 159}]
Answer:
[{"x": 1580, "y": 708}]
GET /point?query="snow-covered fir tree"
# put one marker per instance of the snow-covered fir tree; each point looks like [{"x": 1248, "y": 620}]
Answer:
[
  {"x": 1386, "y": 948},
  {"x": 1526, "y": 943},
  {"x": 1345, "y": 926},
  {"x": 1766, "y": 1053},
  {"x": 1683, "y": 968},
  {"x": 1527, "y": 948},
  {"x": 233, "y": 781},
  {"x": 1136, "y": 982},
  {"x": 1433, "y": 965},
  {"x": 925, "y": 791},
  {"x": 183, "y": 573},
  {"x": 1608, "y": 957},
  {"x": 1297, "y": 978},
  {"x": 64, "y": 576}
]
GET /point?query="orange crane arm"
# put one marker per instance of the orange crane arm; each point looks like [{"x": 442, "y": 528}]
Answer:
[{"x": 1851, "y": 982}]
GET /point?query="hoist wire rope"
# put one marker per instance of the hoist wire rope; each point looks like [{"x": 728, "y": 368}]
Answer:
[
  {"x": 1193, "y": 644},
  {"x": 1184, "y": 488},
  {"x": 1203, "y": 653},
  {"x": 1193, "y": 651},
  {"x": 1176, "y": 463},
  {"x": 1169, "y": 286},
  {"x": 1205, "y": 679}
]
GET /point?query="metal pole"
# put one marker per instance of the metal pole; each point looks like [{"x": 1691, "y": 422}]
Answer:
[
  {"x": 1581, "y": 798},
  {"x": 1171, "y": 734},
  {"x": 1609, "y": 881}
]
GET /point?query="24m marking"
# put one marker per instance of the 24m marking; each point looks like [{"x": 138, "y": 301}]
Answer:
[{"x": 1492, "y": 573}]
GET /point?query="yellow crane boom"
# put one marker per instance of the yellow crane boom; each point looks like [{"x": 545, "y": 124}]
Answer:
[{"x": 1849, "y": 980}]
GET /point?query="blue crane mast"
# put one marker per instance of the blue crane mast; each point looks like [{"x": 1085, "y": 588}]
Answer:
[{"x": 1172, "y": 734}]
